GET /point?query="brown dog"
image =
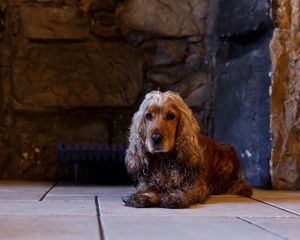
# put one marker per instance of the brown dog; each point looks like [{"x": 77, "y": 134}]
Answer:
[{"x": 174, "y": 165}]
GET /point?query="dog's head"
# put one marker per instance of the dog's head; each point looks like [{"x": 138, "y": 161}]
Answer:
[
  {"x": 164, "y": 121},
  {"x": 161, "y": 120}
]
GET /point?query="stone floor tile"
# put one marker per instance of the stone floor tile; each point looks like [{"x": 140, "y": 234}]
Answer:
[
  {"x": 288, "y": 228},
  {"x": 180, "y": 227},
  {"x": 288, "y": 203},
  {"x": 43, "y": 208},
  {"x": 288, "y": 200},
  {"x": 49, "y": 228},
  {"x": 71, "y": 198},
  {"x": 215, "y": 206},
  {"x": 71, "y": 189},
  {"x": 23, "y": 190}
]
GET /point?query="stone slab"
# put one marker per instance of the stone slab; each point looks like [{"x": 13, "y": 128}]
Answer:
[
  {"x": 242, "y": 106},
  {"x": 246, "y": 16},
  {"x": 215, "y": 207},
  {"x": 69, "y": 198},
  {"x": 69, "y": 189},
  {"x": 22, "y": 190},
  {"x": 49, "y": 227},
  {"x": 286, "y": 228},
  {"x": 46, "y": 208},
  {"x": 289, "y": 203},
  {"x": 166, "y": 17},
  {"x": 184, "y": 227},
  {"x": 65, "y": 23},
  {"x": 284, "y": 105},
  {"x": 74, "y": 76}
]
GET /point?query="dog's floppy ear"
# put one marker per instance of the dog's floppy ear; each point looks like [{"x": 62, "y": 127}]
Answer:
[
  {"x": 187, "y": 145},
  {"x": 135, "y": 158}
]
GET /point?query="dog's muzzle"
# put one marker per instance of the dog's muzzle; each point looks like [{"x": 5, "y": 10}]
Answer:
[{"x": 156, "y": 139}]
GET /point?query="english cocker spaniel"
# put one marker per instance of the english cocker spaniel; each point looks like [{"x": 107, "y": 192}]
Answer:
[{"x": 175, "y": 166}]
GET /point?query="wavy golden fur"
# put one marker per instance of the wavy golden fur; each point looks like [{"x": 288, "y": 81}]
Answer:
[{"x": 174, "y": 165}]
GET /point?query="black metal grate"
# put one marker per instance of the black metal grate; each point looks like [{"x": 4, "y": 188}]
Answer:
[{"x": 88, "y": 160}]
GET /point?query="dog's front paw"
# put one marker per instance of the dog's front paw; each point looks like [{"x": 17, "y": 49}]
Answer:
[
  {"x": 141, "y": 200},
  {"x": 174, "y": 199}
]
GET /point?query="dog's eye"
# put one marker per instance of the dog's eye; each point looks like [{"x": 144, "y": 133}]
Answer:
[
  {"x": 170, "y": 116},
  {"x": 149, "y": 116}
]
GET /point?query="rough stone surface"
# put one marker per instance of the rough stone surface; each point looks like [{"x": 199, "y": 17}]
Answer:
[
  {"x": 170, "y": 52},
  {"x": 31, "y": 139},
  {"x": 2, "y": 17},
  {"x": 74, "y": 76},
  {"x": 105, "y": 25},
  {"x": 242, "y": 111},
  {"x": 166, "y": 17},
  {"x": 36, "y": 157},
  {"x": 239, "y": 17},
  {"x": 285, "y": 121},
  {"x": 53, "y": 23},
  {"x": 242, "y": 82}
]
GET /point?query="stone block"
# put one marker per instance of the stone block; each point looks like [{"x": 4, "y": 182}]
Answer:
[
  {"x": 23, "y": 191},
  {"x": 285, "y": 119},
  {"x": 200, "y": 97},
  {"x": 104, "y": 25},
  {"x": 46, "y": 208},
  {"x": 185, "y": 227},
  {"x": 166, "y": 17},
  {"x": 170, "y": 52},
  {"x": 236, "y": 17},
  {"x": 287, "y": 201},
  {"x": 49, "y": 227},
  {"x": 72, "y": 190},
  {"x": 286, "y": 228},
  {"x": 74, "y": 76},
  {"x": 42, "y": 23}
]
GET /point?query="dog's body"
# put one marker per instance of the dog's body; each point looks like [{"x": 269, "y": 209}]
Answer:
[{"x": 176, "y": 167}]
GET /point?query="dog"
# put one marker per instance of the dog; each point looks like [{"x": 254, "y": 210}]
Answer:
[{"x": 173, "y": 164}]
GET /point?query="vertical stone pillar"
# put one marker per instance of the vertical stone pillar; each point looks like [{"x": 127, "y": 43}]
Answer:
[
  {"x": 242, "y": 81},
  {"x": 285, "y": 89}
]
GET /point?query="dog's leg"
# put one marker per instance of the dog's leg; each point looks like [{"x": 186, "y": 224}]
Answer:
[
  {"x": 240, "y": 188},
  {"x": 146, "y": 196},
  {"x": 184, "y": 197}
]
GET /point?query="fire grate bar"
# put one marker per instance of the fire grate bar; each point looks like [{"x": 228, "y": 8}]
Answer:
[{"x": 86, "y": 155}]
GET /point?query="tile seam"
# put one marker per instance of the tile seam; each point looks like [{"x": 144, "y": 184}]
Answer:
[
  {"x": 278, "y": 207},
  {"x": 100, "y": 225},
  {"x": 48, "y": 191},
  {"x": 262, "y": 228}
]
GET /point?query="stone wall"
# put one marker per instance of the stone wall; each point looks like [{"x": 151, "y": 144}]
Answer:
[
  {"x": 74, "y": 71},
  {"x": 285, "y": 103},
  {"x": 75, "y": 74}
]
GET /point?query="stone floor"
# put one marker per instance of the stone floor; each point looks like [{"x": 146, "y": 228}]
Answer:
[{"x": 45, "y": 210}]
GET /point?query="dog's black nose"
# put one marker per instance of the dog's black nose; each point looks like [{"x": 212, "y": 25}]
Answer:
[{"x": 156, "y": 138}]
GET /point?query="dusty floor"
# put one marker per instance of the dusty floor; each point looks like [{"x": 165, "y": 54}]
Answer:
[{"x": 44, "y": 210}]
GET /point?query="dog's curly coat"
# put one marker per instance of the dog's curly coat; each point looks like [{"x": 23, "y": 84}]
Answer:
[{"x": 176, "y": 167}]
